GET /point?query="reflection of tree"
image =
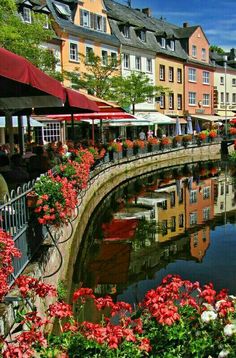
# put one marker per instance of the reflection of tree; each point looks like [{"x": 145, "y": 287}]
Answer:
[{"x": 145, "y": 233}]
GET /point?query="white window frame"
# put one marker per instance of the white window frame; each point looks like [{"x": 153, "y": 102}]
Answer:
[
  {"x": 138, "y": 63},
  {"x": 46, "y": 25},
  {"x": 88, "y": 49},
  {"x": 126, "y": 31},
  {"x": 51, "y": 132},
  {"x": 73, "y": 53},
  {"x": 234, "y": 82},
  {"x": 206, "y": 192},
  {"x": 142, "y": 35},
  {"x": 227, "y": 97},
  {"x": 179, "y": 101},
  {"x": 222, "y": 81},
  {"x": 171, "y": 101},
  {"x": 86, "y": 18},
  {"x": 193, "y": 197},
  {"x": 206, "y": 213},
  {"x": 98, "y": 22},
  {"x": 162, "y": 72},
  {"x": 162, "y": 101},
  {"x": 203, "y": 54},
  {"x": 171, "y": 74},
  {"x": 104, "y": 57},
  {"x": 149, "y": 65},
  {"x": 179, "y": 75},
  {"x": 27, "y": 15},
  {"x": 126, "y": 61},
  {"x": 192, "y": 74},
  {"x": 206, "y": 77},
  {"x": 234, "y": 98},
  {"x": 192, "y": 96},
  {"x": 172, "y": 45},
  {"x": 194, "y": 51},
  {"x": 193, "y": 218},
  {"x": 206, "y": 99},
  {"x": 163, "y": 42},
  {"x": 222, "y": 97}
]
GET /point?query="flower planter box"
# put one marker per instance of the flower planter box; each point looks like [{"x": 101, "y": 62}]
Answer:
[{"x": 31, "y": 200}]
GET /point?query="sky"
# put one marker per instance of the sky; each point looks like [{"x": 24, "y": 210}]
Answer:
[{"x": 216, "y": 17}]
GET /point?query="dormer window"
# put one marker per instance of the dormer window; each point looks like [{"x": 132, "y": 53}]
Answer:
[
  {"x": 126, "y": 31},
  {"x": 163, "y": 42},
  {"x": 172, "y": 45},
  {"x": 142, "y": 35},
  {"x": 194, "y": 51},
  {"x": 62, "y": 9},
  {"x": 84, "y": 18},
  {"x": 46, "y": 24},
  {"x": 27, "y": 15}
]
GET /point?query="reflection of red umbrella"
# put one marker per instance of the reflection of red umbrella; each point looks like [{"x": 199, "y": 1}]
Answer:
[{"x": 120, "y": 229}]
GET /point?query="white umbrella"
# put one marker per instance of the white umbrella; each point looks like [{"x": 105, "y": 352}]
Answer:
[
  {"x": 177, "y": 127},
  {"x": 157, "y": 118},
  {"x": 189, "y": 125}
]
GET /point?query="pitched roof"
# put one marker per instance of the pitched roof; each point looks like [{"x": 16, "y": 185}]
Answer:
[
  {"x": 67, "y": 24},
  {"x": 185, "y": 32}
]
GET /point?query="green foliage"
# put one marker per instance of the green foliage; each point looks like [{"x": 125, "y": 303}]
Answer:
[
  {"x": 25, "y": 39},
  {"x": 216, "y": 49},
  {"x": 97, "y": 76},
  {"x": 136, "y": 88},
  {"x": 232, "y": 156},
  {"x": 61, "y": 291}
]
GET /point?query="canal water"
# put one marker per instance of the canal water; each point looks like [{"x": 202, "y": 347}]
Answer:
[{"x": 180, "y": 221}]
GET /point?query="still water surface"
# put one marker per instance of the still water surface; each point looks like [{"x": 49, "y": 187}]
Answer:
[{"x": 180, "y": 221}]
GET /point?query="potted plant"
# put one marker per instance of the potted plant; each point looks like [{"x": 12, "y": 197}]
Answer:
[
  {"x": 56, "y": 200},
  {"x": 151, "y": 143},
  {"x": 186, "y": 140},
  {"x": 31, "y": 199},
  {"x": 212, "y": 134},
  {"x": 177, "y": 140},
  {"x": 165, "y": 142}
]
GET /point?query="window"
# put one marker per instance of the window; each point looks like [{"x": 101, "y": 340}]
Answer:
[
  {"x": 181, "y": 220},
  {"x": 125, "y": 31},
  {"x": 204, "y": 54},
  {"x": 138, "y": 63},
  {"x": 206, "y": 77},
  {"x": 206, "y": 213},
  {"x": 195, "y": 239},
  {"x": 193, "y": 218},
  {"x": 84, "y": 18},
  {"x": 194, "y": 51},
  {"x": 172, "y": 45},
  {"x": 222, "y": 97},
  {"x": 51, "y": 132},
  {"x": 171, "y": 74},
  {"x": 171, "y": 101},
  {"x": 233, "y": 81},
  {"x": 104, "y": 57},
  {"x": 227, "y": 97},
  {"x": 126, "y": 60},
  {"x": 89, "y": 53},
  {"x": 172, "y": 198},
  {"x": 46, "y": 24},
  {"x": 98, "y": 22},
  {"x": 142, "y": 35},
  {"x": 162, "y": 101},
  {"x": 181, "y": 195},
  {"x": 74, "y": 53},
  {"x": 222, "y": 80},
  {"x": 149, "y": 65},
  {"x": 179, "y": 101},
  {"x": 222, "y": 189},
  {"x": 27, "y": 15},
  {"x": 164, "y": 205},
  {"x": 114, "y": 58},
  {"x": 192, "y": 75},
  {"x": 163, "y": 42},
  {"x": 193, "y": 196},
  {"x": 234, "y": 98},
  {"x": 162, "y": 73},
  {"x": 192, "y": 98},
  {"x": 179, "y": 75},
  {"x": 164, "y": 227},
  {"x": 173, "y": 224},
  {"x": 206, "y": 99},
  {"x": 206, "y": 192}
]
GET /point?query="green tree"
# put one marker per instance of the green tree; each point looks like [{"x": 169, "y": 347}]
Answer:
[
  {"x": 26, "y": 39},
  {"x": 97, "y": 75},
  {"x": 217, "y": 49},
  {"x": 134, "y": 89}
]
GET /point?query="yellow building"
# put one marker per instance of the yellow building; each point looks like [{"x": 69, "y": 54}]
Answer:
[
  {"x": 170, "y": 74},
  {"x": 83, "y": 28}
]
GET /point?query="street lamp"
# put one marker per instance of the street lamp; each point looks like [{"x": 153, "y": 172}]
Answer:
[{"x": 225, "y": 67}]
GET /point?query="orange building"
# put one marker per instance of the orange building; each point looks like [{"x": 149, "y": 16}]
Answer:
[{"x": 199, "y": 243}]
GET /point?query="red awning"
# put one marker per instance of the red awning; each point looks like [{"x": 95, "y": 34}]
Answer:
[
  {"x": 94, "y": 115},
  {"x": 120, "y": 229},
  {"x": 22, "y": 85},
  {"x": 79, "y": 100}
]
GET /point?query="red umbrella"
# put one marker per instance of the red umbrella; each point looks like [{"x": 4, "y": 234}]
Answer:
[
  {"x": 22, "y": 85},
  {"x": 233, "y": 121}
]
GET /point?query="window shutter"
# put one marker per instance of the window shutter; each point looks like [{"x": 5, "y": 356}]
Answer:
[
  {"x": 81, "y": 17},
  {"x": 104, "y": 24},
  {"x": 92, "y": 22}
]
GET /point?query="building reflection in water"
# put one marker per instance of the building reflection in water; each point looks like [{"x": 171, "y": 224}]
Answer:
[{"x": 150, "y": 222}]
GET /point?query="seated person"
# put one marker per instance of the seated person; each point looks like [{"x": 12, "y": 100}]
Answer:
[{"x": 38, "y": 164}]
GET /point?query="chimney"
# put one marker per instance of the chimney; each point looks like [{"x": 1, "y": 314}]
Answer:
[
  {"x": 147, "y": 11},
  {"x": 185, "y": 24}
]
